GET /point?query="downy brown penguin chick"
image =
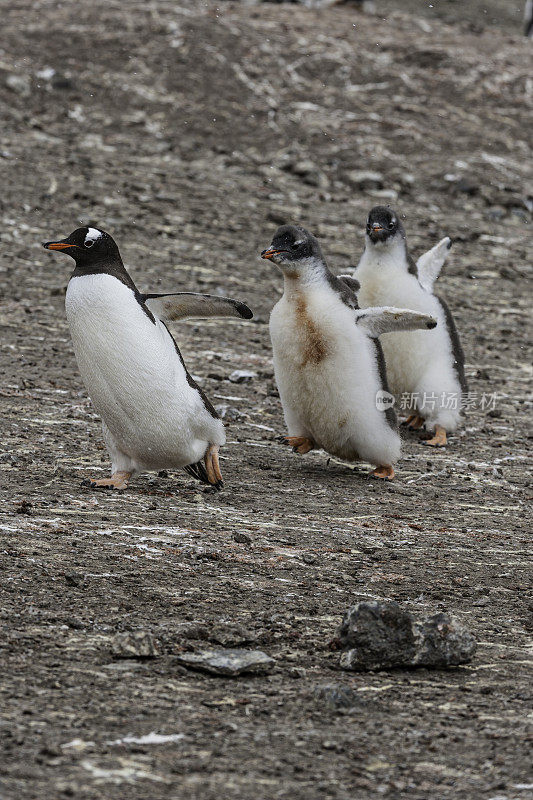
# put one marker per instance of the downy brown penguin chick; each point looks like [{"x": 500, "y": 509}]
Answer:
[
  {"x": 154, "y": 415},
  {"x": 328, "y": 361},
  {"x": 429, "y": 367}
]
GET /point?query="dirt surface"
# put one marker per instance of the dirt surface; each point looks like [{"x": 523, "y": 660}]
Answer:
[{"x": 181, "y": 129}]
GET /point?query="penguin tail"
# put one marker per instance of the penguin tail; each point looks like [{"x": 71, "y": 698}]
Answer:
[{"x": 198, "y": 471}]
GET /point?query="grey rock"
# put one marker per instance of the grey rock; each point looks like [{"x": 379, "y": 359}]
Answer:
[
  {"x": 134, "y": 644},
  {"x": 230, "y": 634},
  {"x": 20, "y": 84},
  {"x": 386, "y": 195},
  {"x": 230, "y": 662},
  {"x": 365, "y": 179},
  {"x": 335, "y": 696},
  {"x": 382, "y": 635},
  {"x": 242, "y": 376},
  {"x": 284, "y": 215},
  {"x": 310, "y": 174},
  {"x": 228, "y": 412},
  {"x": 242, "y": 538},
  {"x": 442, "y": 642}
]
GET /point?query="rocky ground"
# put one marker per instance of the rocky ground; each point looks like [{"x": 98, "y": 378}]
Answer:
[{"x": 189, "y": 131}]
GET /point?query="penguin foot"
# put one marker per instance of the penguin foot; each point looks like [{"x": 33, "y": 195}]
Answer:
[
  {"x": 299, "y": 444},
  {"x": 383, "y": 473},
  {"x": 212, "y": 467},
  {"x": 438, "y": 440},
  {"x": 413, "y": 422},
  {"x": 118, "y": 480}
]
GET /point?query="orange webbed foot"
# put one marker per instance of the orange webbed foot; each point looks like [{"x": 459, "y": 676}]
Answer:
[
  {"x": 299, "y": 444},
  {"x": 438, "y": 440},
  {"x": 414, "y": 422},
  {"x": 118, "y": 481},
  {"x": 383, "y": 473}
]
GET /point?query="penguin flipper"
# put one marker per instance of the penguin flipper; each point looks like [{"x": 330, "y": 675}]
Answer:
[
  {"x": 430, "y": 264},
  {"x": 376, "y": 321},
  {"x": 180, "y": 305},
  {"x": 350, "y": 282}
]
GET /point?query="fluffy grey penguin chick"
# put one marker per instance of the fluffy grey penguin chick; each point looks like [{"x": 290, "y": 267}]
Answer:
[
  {"x": 328, "y": 361},
  {"x": 428, "y": 366},
  {"x": 154, "y": 415}
]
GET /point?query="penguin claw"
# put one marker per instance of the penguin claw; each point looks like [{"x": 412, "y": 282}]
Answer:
[{"x": 212, "y": 467}]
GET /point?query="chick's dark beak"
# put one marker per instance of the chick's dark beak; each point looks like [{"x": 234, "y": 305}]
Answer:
[{"x": 269, "y": 252}]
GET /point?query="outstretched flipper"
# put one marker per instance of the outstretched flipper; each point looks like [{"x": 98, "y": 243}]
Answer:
[
  {"x": 430, "y": 264},
  {"x": 181, "y": 305},
  {"x": 386, "y": 319}
]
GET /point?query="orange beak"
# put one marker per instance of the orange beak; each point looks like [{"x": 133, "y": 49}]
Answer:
[{"x": 57, "y": 245}]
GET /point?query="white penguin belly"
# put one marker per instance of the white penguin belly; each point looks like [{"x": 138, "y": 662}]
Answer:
[
  {"x": 328, "y": 377},
  {"x": 135, "y": 378}
]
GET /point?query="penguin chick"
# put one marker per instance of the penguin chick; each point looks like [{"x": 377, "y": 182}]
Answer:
[
  {"x": 429, "y": 367},
  {"x": 328, "y": 362},
  {"x": 154, "y": 415}
]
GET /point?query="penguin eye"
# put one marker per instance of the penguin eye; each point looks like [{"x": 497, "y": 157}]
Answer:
[
  {"x": 391, "y": 225},
  {"x": 89, "y": 243},
  {"x": 296, "y": 245}
]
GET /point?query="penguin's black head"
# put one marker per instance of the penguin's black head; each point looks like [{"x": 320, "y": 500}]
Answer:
[
  {"x": 87, "y": 246},
  {"x": 294, "y": 250},
  {"x": 383, "y": 224}
]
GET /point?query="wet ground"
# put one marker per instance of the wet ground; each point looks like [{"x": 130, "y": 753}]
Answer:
[{"x": 189, "y": 131}]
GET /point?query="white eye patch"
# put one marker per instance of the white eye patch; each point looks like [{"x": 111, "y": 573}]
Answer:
[
  {"x": 92, "y": 235},
  {"x": 298, "y": 243}
]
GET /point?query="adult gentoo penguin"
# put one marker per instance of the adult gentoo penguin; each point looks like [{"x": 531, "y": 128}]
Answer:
[
  {"x": 154, "y": 415},
  {"x": 428, "y": 367},
  {"x": 328, "y": 362}
]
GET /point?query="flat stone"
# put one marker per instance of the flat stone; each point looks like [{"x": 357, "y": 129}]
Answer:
[
  {"x": 242, "y": 376},
  {"x": 382, "y": 635},
  {"x": 283, "y": 215},
  {"x": 310, "y": 174},
  {"x": 230, "y": 662},
  {"x": 20, "y": 84},
  {"x": 134, "y": 644},
  {"x": 365, "y": 179},
  {"x": 336, "y": 696}
]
